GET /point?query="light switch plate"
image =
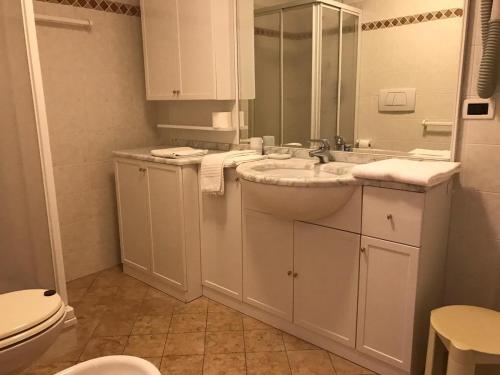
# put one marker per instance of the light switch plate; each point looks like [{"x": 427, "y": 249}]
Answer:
[{"x": 397, "y": 100}]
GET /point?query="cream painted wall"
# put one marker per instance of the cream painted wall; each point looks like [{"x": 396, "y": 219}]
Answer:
[
  {"x": 473, "y": 275},
  {"x": 94, "y": 88},
  {"x": 424, "y": 56}
]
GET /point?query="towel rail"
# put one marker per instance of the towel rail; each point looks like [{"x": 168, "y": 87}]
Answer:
[
  {"x": 441, "y": 124},
  {"x": 63, "y": 20}
]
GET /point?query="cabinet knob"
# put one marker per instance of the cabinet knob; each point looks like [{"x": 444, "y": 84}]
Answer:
[
  {"x": 289, "y": 273},
  {"x": 295, "y": 274},
  {"x": 174, "y": 92},
  {"x": 389, "y": 216},
  {"x": 363, "y": 249},
  {"x": 142, "y": 170}
]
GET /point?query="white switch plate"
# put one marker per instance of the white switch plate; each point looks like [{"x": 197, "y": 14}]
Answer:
[{"x": 397, "y": 100}]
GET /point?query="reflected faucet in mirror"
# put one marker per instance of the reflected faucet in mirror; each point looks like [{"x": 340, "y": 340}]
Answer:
[{"x": 322, "y": 152}]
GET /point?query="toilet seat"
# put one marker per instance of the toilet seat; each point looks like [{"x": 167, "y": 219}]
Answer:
[{"x": 26, "y": 313}]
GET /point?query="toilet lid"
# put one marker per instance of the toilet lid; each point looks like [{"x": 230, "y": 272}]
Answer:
[{"x": 25, "y": 309}]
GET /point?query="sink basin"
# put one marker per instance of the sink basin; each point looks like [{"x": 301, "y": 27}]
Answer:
[{"x": 296, "y": 189}]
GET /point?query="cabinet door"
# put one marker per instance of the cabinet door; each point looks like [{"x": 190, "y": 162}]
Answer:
[
  {"x": 268, "y": 263},
  {"x": 161, "y": 48},
  {"x": 326, "y": 264},
  {"x": 387, "y": 288},
  {"x": 221, "y": 247},
  {"x": 196, "y": 49},
  {"x": 133, "y": 211},
  {"x": 167, "y": 224}
]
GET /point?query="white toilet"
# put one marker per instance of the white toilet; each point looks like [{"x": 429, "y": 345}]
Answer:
[{"x": 30, "y": 321}]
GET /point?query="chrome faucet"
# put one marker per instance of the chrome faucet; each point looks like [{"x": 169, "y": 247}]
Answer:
[
  {"x": 340, "y": 144},
  {"x": 323, "y": 152}
]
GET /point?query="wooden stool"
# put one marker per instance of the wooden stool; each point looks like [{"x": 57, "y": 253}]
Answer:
[{"x": 470, "y": 334}]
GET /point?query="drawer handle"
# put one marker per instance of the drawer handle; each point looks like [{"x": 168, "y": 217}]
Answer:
[
  {"x": 363, "y": 249},
  {"x": 295, "y": 274},
  {"x": 389, "y": 216},
  {"x": 289, "y": 273},
  {"x": 142, "y": 170}
]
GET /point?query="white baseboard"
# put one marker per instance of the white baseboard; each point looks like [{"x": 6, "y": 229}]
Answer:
[{"x": 70, "y": 319}]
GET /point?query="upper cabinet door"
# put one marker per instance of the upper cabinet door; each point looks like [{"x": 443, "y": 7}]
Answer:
[
  {"x": 132, "y": 191},
  {"x": 387, "y": 292},
  {"x": 161, "y": 48},
  {"x": 268, "y": 263},
  {"x": 326, "y": 263},
  {"x": 196, "y": 49}
]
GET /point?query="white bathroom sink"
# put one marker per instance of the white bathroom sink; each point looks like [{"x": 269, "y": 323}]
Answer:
[{"x": 296, "y": 189}]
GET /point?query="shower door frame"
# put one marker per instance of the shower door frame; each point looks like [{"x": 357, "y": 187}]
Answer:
[
  {"x": 40, "y": 112},
  {"x": 317, "y": 9}
]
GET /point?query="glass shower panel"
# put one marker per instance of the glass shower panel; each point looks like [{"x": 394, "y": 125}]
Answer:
[
  {"x": 25, "y": 247},
  {"x": 329, "y": 86},
  {"x": 266, "y": 119},
  {"x": 350, "y": 35},
  {"x": 297, "y": 74}
]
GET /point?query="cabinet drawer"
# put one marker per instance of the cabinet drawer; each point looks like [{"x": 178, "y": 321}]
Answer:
[{"x": 393, "y": 215}]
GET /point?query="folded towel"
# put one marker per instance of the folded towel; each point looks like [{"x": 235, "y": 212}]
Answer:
[
  {"x": 178, "y": 152},
  {"x": 212, "y": 170},
  {"x": 234, "y": 161},
  {"x": 414, "y": 172},
  {"x": 425, "y": 153}
]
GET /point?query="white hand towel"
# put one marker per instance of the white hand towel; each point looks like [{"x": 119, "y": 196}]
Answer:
[
  {"x": 425, "y": 153},
  {"x": 178, "y": 152},
  {"x": 212, "y": 170},
  {"x": 423, "y": 173}
]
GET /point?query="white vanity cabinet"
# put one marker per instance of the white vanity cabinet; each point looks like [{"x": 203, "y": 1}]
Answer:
[
  {"x": 159, "y": 225},
  {"x": 189, "y": 49},
  {"x": 221, "y": 247}
]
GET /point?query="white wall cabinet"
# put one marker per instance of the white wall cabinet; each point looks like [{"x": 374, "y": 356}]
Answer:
[
  {"x": 189, "y": 49},
  {"x": 221, "y": 241},
  {"x": 387, "y": 290},
  {"x": 159, "y": 225}
]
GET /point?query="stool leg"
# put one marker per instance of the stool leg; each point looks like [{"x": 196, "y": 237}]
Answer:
[
  {"x": 435, "y": 354},
  {"x": 456, "y": 367}
]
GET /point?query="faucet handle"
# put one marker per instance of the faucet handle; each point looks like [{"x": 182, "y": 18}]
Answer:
[{"x": 323, "y": 143}]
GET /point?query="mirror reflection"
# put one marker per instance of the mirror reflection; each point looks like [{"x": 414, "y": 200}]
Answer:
[{"x": 364, "y": 74}]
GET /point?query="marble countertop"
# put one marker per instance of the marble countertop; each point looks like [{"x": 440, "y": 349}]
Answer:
[{"x": 144, "y": 154}]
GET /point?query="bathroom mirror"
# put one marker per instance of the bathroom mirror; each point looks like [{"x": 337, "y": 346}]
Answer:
[{"x": 371, "y": 75}]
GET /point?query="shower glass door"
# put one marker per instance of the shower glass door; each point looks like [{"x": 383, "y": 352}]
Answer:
[{"x": 25, "y": 243}]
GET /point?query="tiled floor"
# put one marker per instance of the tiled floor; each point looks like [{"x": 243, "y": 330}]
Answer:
[{"x": 120, "y": 315}]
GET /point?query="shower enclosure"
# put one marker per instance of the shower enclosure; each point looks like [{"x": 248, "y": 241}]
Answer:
[
  {"x": 30, "y": 245},
  {"x": 306, "y": 56}
]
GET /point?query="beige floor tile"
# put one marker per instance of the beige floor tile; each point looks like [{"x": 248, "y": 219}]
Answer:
[
  {"x": 89, "y": 309},
  {"x": 136, "y": 293},
  {"x": 115, "y": 325},
  {"x": 224, "y": 364},
  {"x": 76, "y": 294},
  {"x": 100, "y": 293},
  {"x": 265, "y": 363},
  {"x": 158, "y": 303},
  {"x": 224, "y": 321},
  {"x": 344, "y": 367},
  {"x": 70, "y": 343},
  {"x": 224, "y": 342},
  {"x": 151, "y": 324},
  {"x": 251, "y": 323},
  {"x": 185, "y": 343},
  {"x": 47, "y": 369},
  {"x": 198, "y": 306},
  {"x": 182, "y": 365},
  {"x": 294, "y": 343},
  {"x": 145, "y": 345},
  {"x": 310, "y": 362},
  {"x": 218, "y": 307},
  {"x": 265, "y": 340},
  {"x": 101, "y": 346},
  {"x": 188, "y": 323}
]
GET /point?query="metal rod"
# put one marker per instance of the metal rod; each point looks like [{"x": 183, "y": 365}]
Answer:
[{"x": 63, "y": 20}]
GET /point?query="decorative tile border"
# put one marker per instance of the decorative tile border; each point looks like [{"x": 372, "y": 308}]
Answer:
[
  {"x": 259, "y": 31},
  {"x": 101, "y": 5},
  {"x": 416, "y": 18}
]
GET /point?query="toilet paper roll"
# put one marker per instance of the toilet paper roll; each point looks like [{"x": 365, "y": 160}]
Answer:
[
  {"x": 268, "y": 140},
  {"x": 363, "y": 143},
  {"x": 222, "y": 120},
  {"x": 256, "y": 144}
]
